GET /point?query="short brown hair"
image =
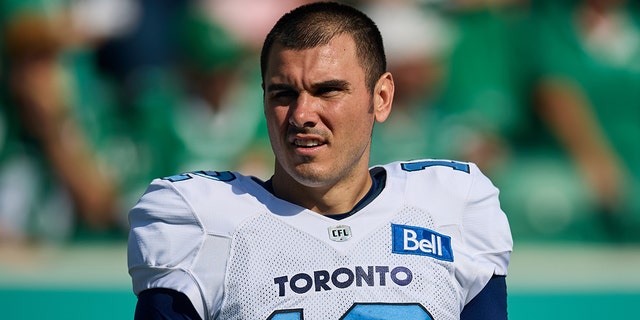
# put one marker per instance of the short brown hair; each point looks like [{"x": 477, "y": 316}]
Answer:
[{"x": 315, "y": 24}]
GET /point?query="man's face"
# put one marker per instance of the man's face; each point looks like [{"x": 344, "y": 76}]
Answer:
[{"x": 319, "y": 112}]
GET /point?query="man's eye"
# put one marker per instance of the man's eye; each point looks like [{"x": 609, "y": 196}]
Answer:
[
  {"x": 327, "y": 91},
  {"x": 283, "y": 94}
]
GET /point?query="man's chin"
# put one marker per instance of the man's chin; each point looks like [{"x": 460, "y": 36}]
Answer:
[{"x": 310, "y": 175}]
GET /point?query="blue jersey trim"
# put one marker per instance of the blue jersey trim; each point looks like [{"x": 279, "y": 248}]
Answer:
[{"x": 490, "y": 303}]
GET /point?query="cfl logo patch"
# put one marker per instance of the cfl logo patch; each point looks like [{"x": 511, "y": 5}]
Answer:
[
  {"x": 340, "y": 233},
  {"x": 420, "y": 241}
]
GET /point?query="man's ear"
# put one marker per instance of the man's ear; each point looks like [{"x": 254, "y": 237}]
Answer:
[{"x": 383, "y": 97}]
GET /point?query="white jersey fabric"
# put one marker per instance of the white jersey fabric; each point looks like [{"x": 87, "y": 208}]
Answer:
[{"x": 422, "y": 249}]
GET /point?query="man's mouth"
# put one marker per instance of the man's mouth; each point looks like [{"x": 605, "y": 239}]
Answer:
[{"x": 306, "y": 143}]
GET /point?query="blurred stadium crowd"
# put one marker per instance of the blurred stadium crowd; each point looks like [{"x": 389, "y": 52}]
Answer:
[{"x": 98, "y": 97}]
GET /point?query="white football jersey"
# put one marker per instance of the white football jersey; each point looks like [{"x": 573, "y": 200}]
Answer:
[{"x": 422, "y": 249}]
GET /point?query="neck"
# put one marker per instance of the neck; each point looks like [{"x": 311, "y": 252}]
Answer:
[{"x": 323, "y": 198}]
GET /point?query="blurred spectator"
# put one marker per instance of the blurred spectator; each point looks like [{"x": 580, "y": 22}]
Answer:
[
  {"x": 248, "y": 21},
  {"x": 141, "y": 39},
  {"x": 57, "y": 170},
  {"x": 585, "y": 58},
  {"x": 417, "y": 40},
  {"x": 480, "y": 106},
  {"x": 206, "y": 113}
]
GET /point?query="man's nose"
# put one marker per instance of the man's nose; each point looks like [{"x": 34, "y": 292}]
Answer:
[{"x": 304, "y": 111}]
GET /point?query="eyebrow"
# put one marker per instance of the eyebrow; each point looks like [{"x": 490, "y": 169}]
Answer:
[
  {"x": 324, "y": 84},
  {"x": 331, "y": 84},
  {"x": 278, "y": 87}
]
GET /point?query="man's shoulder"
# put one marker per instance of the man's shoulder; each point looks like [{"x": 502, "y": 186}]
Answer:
[
  {"x": 203, "y": 198},
  {"x": 430, "y": 171},
  {"x": 206, "y": 183},
  {"x": 202, "y": 177},
  {"x": 438, "y": 181}
]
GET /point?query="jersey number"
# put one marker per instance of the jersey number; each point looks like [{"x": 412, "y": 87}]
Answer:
[
  {"x": 367, "y": 311},
  {"x": 421, "y": 165},
  {"x": 213, "y": 175}
]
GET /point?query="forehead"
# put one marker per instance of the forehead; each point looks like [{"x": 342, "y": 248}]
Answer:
[{"x": 338, "y": 56}]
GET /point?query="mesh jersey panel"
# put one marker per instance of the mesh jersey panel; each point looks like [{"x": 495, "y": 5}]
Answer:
[{"x": 252, "y": 292}]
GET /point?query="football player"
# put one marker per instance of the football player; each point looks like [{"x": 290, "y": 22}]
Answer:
[{"x": 326, "y": 237}]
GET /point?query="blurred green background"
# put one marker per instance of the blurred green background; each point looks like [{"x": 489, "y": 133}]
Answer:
[{"x": 98, "y": 97}]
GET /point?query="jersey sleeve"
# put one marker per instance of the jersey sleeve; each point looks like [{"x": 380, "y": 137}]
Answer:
[
  {"x": 161, "y": 304},
  {"x": 164, "y": 241},
  {"x": 490, "y": 303},
  {"x": 485, "y": 233}
]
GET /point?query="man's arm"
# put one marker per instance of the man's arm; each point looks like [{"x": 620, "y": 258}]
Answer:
[
  {"x": 162, "y": 304},
  {"x": 490, "y": 303},
  {"x": 565, "y": 108}
]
